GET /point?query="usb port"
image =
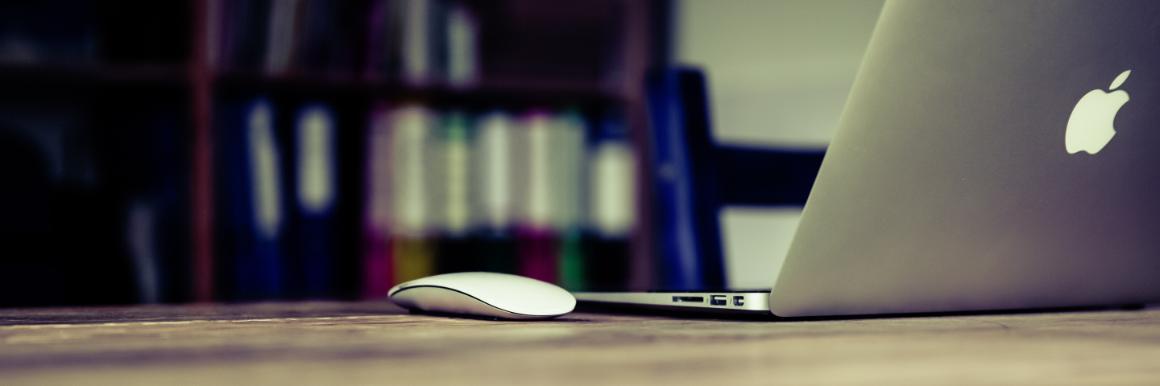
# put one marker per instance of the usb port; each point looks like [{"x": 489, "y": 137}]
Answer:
[{"x": 688, "y": 299}]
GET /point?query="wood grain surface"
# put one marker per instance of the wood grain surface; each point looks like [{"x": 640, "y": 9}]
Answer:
[{"x": 375, "y": 343}]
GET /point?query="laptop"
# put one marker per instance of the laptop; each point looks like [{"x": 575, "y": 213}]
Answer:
[{"x": 992, "y": 155}]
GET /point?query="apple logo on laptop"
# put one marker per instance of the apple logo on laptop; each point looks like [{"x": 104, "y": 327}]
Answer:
[{"x": 1090, "y": 126}]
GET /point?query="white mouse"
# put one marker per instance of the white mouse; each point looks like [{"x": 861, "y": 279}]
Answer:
[{"x": 488, "y": 294}]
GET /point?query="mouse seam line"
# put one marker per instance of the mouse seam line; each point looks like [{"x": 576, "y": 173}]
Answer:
[{"x": 464, "y": 294}]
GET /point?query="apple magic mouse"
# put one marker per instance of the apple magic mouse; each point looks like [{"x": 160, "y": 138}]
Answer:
[{"x": 487, "y": 294}]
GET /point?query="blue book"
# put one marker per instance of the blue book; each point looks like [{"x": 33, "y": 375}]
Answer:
[
  {"x": 253, "y": 217},
  {"x": 686, "y": 235},
  {"x": 317, "y": 192},
  {"x": 151, "y": 158}
]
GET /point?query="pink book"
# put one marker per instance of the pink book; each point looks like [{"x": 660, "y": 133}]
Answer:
[{"x": 376, "y": 218}]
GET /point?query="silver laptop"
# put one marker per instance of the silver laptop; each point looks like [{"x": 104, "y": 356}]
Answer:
[{"x": 992, "y": 155}]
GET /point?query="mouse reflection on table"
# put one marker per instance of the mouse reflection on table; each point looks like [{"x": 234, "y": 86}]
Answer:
[{"x": 484, "y": 294}]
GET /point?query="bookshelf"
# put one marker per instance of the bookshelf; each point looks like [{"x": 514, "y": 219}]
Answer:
[
  {"x": 24, "y": 78},
  {"x": 531, "y": 55},
  {"x": 502, "y": 92}
]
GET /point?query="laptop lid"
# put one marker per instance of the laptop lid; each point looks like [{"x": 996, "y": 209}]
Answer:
[{"x": 992, "y": 155}]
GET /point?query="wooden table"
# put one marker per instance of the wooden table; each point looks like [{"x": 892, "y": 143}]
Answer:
[{"x": 375, "y": 343}]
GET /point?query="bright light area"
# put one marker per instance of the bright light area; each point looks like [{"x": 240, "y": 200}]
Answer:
[
  {"x": 756, "y": 241},
  {"x": 779, "y": 71}
]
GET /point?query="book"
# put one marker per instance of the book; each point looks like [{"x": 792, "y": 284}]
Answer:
[
  {"x": 380, "y": 57},
  {"x": 492, "y": 170},
  {"x": 422, "y": 42},
  {"x": 281, "y": 35},
  {"x": 611, "y": 211},
  {"x": 462, "y": 34},
  {"x": 686, "y": 230},
  {"x": 141, "y": 240},
  {"x": 536, "y": 231},
  {"x": 421, "y": 45},
  {"x": 566, "y": 186},
  {"x": 454, "y": 216},
  {"x": 376, "y": 252},
  {"x": 316, "y": 190},
  {"x": 329, "y": 36},
  {"x": 242, "y": 34},
  {"x": 412, "y": 250},
  {"x": 154, "y": 167},
  {"x": 253, "y": 214}
]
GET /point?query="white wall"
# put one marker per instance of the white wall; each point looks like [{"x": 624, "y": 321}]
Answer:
[{"x": 779, "y": 72}]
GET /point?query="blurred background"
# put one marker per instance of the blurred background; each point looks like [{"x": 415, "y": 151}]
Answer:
[{"x": 245, "y": 150}]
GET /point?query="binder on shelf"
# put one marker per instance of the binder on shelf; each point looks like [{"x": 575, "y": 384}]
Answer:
[
  {"x": 239, "y": 30},
  {"x": 141, "y": 238},
  {"x": 253, "y": 219},
  {"x": 422, "y": 42},
  {"x": 693, "y": 178},
  {"x": 381, "y": 57},
  {"x": 318, "y": 47},
  {"x": 611, "y": 209},
  {"x": 536, "y": 233},
  {"x": 376, "y": 260},
  {"x": 538, "y": 251},
  {"x": 568, "y": 132},
  {"x": 156, "y": 216},
  {"x": 462, "y": 45},
  {"x": 573, "y": 263},
  {"x": 281, "y": 34},
  {"x": 413, "y": 254},
  {"x": 456, "y": 250},
  {"x": 317, "y": 192},
  {"x": 330, "y": 35},
  {"x": 686, "y": 231},
  {"x": 493, "y": 177}
]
